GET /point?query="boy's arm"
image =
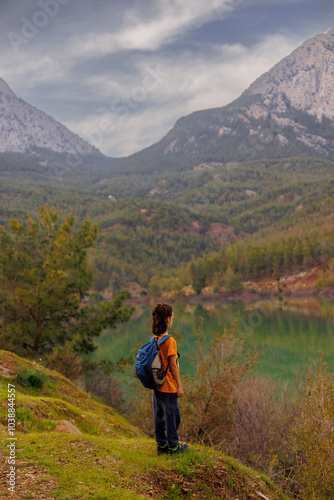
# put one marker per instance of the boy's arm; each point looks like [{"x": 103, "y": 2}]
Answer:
[{"x": 176, "y": 374}]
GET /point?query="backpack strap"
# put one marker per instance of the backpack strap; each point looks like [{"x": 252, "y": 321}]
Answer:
[{"x": 165, "y": 337}]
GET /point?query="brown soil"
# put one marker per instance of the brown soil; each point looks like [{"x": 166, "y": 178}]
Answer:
[
  {"x": 222, "y": 233},
  {"x": 219, "y": 482},
  {"x": 30, "y": 480},
  {"x": 8, "y": 365},
  {"x": 291, "y": 283}
]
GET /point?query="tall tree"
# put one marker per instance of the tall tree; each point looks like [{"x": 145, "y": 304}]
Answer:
[{"x": 44, "y": 277}]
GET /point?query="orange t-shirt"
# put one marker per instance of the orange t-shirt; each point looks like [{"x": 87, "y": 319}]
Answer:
[{"x": 166, "y": 349}]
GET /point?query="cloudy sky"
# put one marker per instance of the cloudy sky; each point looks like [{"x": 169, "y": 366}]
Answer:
[{"x": 121, "y": 72}]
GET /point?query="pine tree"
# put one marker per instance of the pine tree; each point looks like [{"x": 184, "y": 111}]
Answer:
[
  {"x": 233, "y": 281},
  {"x": 43, "y": 278}
]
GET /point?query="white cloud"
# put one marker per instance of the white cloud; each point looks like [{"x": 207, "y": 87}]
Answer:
[
  {"x": 26, "y": 70},
  {"x": 140, "y": 30},
  {"x": 168, "y": 20}
]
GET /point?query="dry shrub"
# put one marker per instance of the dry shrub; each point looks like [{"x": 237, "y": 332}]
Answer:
[
  {"x": 264, "y": 414},
  {"x": 65, "y": 361},
  {"x": 100, "y": 380},
  {"x": 140, "y": 409},
  {"x": 254, "y": 412},
  {"x": 313, "y": 436},
  {"x": 210, "y": 395},
  {"x": 94, "y": 377},
  {"x": 288, "y": 433}
]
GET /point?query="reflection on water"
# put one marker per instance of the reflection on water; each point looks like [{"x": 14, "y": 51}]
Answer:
[{"x": 292, "y": 332}]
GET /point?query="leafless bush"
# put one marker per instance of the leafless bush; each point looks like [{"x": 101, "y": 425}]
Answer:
[
  {"x": 65, "y": 361},
  {"x": 265, "y": 413},
  {"x": 105, "y": 386},
  {"x": 140, "y": 409},
  {"x": 210, "y": 395},
  {"x": 313, "y": 435}
]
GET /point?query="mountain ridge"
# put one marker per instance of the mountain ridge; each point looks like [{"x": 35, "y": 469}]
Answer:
[
  {"x": 286, "y": 112},
  {"x": 26, "y": 129}
]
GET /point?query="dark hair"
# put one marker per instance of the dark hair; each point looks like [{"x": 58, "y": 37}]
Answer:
[{"x": 160, "y": 314}]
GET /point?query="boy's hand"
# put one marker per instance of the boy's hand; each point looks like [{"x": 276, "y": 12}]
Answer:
[
  {"x": 180, "y": 392},
  {"x": 176, "y": 374}
]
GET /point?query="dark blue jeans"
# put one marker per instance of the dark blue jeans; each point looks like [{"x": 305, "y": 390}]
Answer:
[{"x": 167, "y": 418}]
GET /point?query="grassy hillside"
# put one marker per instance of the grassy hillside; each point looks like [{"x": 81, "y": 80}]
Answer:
[{"x": 109, "y": 458}]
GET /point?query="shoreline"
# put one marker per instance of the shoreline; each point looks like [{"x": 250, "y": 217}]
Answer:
[
  {"x": 244, "y": 295},
  {"x": 298, "y": 286}
]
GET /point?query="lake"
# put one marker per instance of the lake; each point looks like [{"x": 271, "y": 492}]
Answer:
[{"x": 292, "y": 333}]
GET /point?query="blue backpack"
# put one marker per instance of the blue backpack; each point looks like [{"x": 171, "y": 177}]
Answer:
[{"x": 149, "y": 368}]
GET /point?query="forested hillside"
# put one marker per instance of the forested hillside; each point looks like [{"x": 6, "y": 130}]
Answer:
[{"x": 262, "y": 218}]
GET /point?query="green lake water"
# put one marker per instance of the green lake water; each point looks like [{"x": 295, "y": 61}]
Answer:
[{"x": 292, "y": 333}]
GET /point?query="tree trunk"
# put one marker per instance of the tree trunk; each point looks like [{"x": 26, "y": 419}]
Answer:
[{"x": 38, "y": 328}]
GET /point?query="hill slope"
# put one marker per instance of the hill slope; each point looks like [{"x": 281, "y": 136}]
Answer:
[{"x": 109, "y": 458}]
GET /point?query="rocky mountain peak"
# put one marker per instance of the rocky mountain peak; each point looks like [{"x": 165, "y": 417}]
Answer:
[
  {"x": 5, "y": 89},
  {"x": 24, "y": 128},
  {"x": 305, "y": 78}
]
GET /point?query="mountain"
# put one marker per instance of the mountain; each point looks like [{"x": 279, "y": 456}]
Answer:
[
  {"x": 305, "y": 78},
  {"x": 26, "y": 129},
  {"x": 287, "y": 112}
]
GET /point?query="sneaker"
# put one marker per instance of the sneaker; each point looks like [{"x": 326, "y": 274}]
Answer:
[
  {"x": 180, "y": 448},
  {"x": 161, "y": 450}
]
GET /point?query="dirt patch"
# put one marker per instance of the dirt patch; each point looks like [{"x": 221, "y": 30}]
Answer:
[
  {"x": 145, "y": 213},
  {"x": 195, "y": 227},
  {"x": 301, "y": 280},
  {"x": 221, "y": 481},
  {"x": 8, "y": 364},
  {"x": 30, "y": 480},
  {"x": 222, "y": 233},
  {"x": 5, "y": 372},
  {"x": 296, "y": 282}
]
